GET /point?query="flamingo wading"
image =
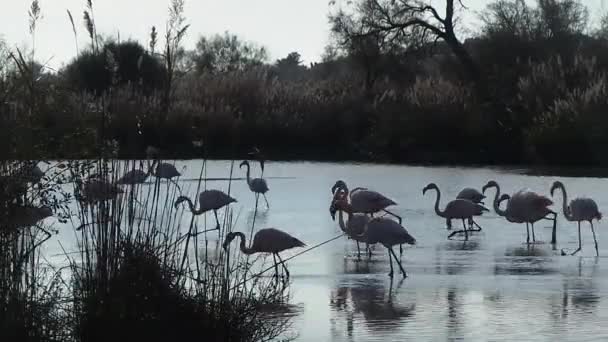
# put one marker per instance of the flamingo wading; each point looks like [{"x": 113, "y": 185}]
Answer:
[
  {"x": 256, "y": 185},
  {"x": 267, "y": 240},
  {"x": 208, "y": 200},
  {"x": 354, "y": 227},
  {"x": 456, "y": 209},
  {"x": 524, "y": 207},
  {"x": 381, "y": 230},
  {"x": 579, "y": 209}
]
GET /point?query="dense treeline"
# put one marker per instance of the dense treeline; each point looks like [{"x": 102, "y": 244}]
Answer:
[{"x": 398, "y": 83}]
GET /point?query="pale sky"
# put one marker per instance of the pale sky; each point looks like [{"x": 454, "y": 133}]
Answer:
[{"x": 282, "y": 26}]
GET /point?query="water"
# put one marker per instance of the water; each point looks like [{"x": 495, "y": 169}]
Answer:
[{"x": 491, "y": 288}]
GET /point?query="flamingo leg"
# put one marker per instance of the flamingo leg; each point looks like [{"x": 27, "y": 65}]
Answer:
[
  {"x": 276, "y": 268},
  {"x": 533, "y": 237},
  {"x": 283, "y": 264},
  {"x": 394, "y": 215},
  {"x": 358, "y": 251},
  {"x": 369, "y": 251},
  {"x": 448, "y": 224},
  {"x": 473, "y": 223},
  {"x": 597, "y": 253},
  {"x": 466, "y": 232},
  {"x": 216, "y": 219},
  {"x": 398, "y": 262},
  {"x": 579, "y": 239},
  {"x": 390, "y": 259},
  {"x": 266, "y": 200},
  {"x": 528, "y": 231},
  {"x": 177, "y": 185},
  {"x": 400, "y": 250}
]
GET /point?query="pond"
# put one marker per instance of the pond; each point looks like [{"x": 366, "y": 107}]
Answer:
[{"x": 493, "y": 287}]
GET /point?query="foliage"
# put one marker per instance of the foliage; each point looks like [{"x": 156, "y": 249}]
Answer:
[
  {"x": 226, "y": 53},
  {"x": 116, "y": 64}
]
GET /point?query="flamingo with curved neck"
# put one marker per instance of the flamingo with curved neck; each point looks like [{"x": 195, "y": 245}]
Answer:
[
  {"x": 456, "y": 209},
  {"x": 577, "y": 210},
  {"x": 355, "y": 225},
  {"x": 256, "y": 185}
]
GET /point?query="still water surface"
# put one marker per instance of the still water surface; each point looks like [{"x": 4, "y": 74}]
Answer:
[{"x": 492, "y": 287}]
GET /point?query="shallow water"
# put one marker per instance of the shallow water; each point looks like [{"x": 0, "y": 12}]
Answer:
[{"x": 492, "y": 287}]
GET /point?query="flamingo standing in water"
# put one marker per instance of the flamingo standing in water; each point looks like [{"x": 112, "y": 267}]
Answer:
[
  {"x": 137, "y": 176},
  {"x": 474, "y": 196},
  {"x": 256, "y": 185},
  {"x": 366, "y": 201},
  {"x": 456, "y": 209},
  {"x": 208, "y": 200},
  {"x": 524, "y": 207},
  {"x": 579, "y": 209},
  {"x": 267, "y": 240},
  {"x": 379, "y": 230},
  {"x": 354, "y": 227}
]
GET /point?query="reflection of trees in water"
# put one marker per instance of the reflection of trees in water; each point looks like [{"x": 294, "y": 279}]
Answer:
[
  {"x": 373, "y": 300},
  {"x": 525, "y": 260}
]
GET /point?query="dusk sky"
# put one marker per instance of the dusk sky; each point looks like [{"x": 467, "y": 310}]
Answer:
[{"x": 282, "y": 26}]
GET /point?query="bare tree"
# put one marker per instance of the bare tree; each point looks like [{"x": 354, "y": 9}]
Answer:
[{"x": 407, "y": 20}]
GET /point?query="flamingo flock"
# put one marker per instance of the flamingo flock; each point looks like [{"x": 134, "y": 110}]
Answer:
[{"x": 363, "y": 214}]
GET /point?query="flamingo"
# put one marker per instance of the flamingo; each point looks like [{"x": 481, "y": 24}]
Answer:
[
  {"x": 27, "y": 216},
  {"x": 472, "y": 195},
  {"x": 456, "y": 209},
  {"x": 381, "y": 230},
  {"x": 163, "y": 170},
  {"x": 579, "y": 209},
  {"x": 257, "y": 154},
  {"x": 524, "y": 206},
  {"x": 208, "y": 200},
  {"x": 354, "y": 227},
  {"x": 366, "y": 201},
  {"x": 256, "y": 185},
  {"x": 267, "y": 240},
  {"x": 98, "y": 190},
  {"x": 137, "y": 176}
]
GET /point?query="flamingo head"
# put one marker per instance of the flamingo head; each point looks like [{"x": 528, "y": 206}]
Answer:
[
  {"x": 229, "y": 237},
  {"x": 243, "y": 164},
  {"x": 429, "y": 187},
  {"x": 339, "y": 202},
  {"x": 340, "y": 185},
  {"x": 490, "y": 184},
  {"x": 555, "y": 186},
  {"x": 179, "y": 200}
]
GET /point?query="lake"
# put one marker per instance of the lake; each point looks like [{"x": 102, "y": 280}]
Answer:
[{"x": 493, "y": 287}]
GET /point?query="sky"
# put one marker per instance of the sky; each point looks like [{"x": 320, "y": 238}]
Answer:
[{"x": 282, "y": 26}]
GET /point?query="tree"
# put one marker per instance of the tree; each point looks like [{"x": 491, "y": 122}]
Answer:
[
  {"x": 407, "y": 20},
  {"x": 224, "y": 53},
  {"x": 116, "y": 64}
]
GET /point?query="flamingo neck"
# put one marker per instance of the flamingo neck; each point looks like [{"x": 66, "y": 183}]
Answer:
[
  {"x": 437, "y": 199},
  {"x": 248, "y": 174},
  {"x": 341, "y": 220},
  {"x": 567, "y": 212},
  {"x": 244, "y": 249},
  {"x": 192, "y": 208},
  {"x": 496, "y": 202}
]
